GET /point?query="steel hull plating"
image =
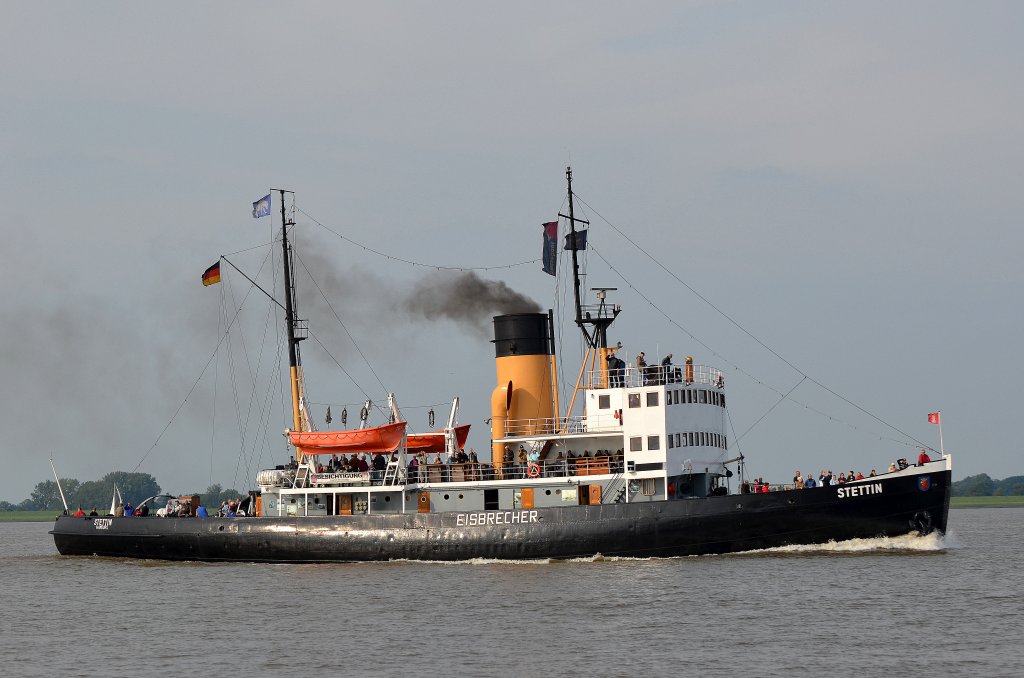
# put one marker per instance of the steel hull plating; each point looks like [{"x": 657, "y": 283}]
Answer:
[{"x": 721, "y": 524}]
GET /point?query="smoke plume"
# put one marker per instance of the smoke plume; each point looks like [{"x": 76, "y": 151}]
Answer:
[{"x": 466, "y": 298}]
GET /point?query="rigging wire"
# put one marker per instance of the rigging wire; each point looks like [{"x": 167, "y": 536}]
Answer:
[
  {"x": 254, "y": 247},
  {"x": 331, "y": 356},
  {"x": 343, "y": 326},
  {"x": 769, "y": 410},
  {"x": 737, "y": 325},
  {"x": 185, "y": 399},
  {"x": 410, "y": 261},
  {"x": 404, "y": 407},
  {"x": 216, "y": 374},
  {"x": 220, "y": 340}
]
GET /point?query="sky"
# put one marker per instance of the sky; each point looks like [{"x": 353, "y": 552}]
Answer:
[{"x": 823, "y": 199}]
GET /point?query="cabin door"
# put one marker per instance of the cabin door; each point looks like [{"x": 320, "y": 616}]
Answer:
[
  {"x": 590, "y": 495},
  {"x": 344, "y": 504}
]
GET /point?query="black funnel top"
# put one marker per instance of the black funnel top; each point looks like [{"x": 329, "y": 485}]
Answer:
[{"x": 521, "y": 334}]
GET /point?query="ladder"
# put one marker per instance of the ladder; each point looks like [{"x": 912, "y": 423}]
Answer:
[
  {"x": 393, "y": 472},
  {"x": 302, "y": 475}
]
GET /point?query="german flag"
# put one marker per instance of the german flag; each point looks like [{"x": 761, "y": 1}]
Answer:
[{"x": 212, "y": 274}]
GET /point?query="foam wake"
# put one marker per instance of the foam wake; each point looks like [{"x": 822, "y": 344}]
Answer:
[{"x": 903, "y": 544}]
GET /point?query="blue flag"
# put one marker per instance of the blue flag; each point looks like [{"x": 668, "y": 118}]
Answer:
[
  {"x": 576, "y": 241},
  {"x": 261, "y": 208}
]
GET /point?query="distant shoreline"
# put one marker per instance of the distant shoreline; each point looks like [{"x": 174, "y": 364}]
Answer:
[{"x": 1015, "y": 501}]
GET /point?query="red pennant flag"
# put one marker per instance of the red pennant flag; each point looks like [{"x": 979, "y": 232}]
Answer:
[{"x": 933, "y": 417}]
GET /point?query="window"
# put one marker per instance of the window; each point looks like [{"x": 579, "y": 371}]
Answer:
[
  {"x": 692, "y": 436},
  {"x": 703, "y": 397},
  {"x": 636, "y": 444},
  {"x": 634, "y": 400},
  {"x": 652, "y": 399},
  {"x": 671, "y": 440},
  {"x": 653, "y": 442},
  {"x": 647, "y": 486},
  {"x": 677, "y": 440},
  {"x": 604, "y": 402}
]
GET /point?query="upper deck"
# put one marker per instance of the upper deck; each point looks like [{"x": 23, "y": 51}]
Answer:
[{"x": 653, "y": 375}]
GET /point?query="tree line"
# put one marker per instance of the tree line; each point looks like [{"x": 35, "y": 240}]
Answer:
[
  {"x": 134, "y": 487},
  {"x": 983, "y": 486}
]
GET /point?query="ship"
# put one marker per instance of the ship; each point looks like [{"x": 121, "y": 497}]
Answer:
[{"x": 644, "y": 470}]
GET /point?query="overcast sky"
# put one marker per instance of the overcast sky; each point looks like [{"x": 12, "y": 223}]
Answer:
[{"x": 842, "y": 180}]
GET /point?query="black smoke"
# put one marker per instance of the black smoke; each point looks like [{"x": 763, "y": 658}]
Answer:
[{"x": 466, "y": 298}]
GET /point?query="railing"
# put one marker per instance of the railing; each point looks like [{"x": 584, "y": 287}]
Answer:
[
  {"x": 654, "y": 375},
  {"x": 514, "y": 470},
  {"x": 552, "y": 426}
]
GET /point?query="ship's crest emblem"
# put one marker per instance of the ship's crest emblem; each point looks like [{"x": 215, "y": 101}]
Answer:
[{"x": 924, "y": 483}]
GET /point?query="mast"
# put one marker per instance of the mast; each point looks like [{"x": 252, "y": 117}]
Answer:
[
  {"x": 575, "y": 260},
  {"x": 289, "y": 316},
  {"x": 603, "y": 315}
]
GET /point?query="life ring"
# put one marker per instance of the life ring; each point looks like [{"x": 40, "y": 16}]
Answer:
[{"x": 533, "y": 470}]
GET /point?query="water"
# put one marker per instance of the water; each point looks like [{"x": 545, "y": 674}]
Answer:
[{"x": 911, "y": 606}]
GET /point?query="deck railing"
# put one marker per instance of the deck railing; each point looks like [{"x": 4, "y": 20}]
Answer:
[
  {"x": 514, "y": 470},
  {"x": 655, "y": 375},
  {"x": 551, "y": 425}
]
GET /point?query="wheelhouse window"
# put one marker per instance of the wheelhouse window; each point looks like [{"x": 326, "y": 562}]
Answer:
[
  {"x": 636, "y": 444},
  {"x": 653, "y": 442},
  {"x": 634, "y": 400},
  {"x": 652, "y": 399},
  {"x": 604, "y": 402}
]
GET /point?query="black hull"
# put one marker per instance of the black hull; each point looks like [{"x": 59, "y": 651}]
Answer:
[{"x": 887, "y": 507}]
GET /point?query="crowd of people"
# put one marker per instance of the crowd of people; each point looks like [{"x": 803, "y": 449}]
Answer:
[
  {"x": 515, "y": 464},
  {"x": 827, "y": 478},
  {"x": 174, "y": 508},
  {"x": 419, "y": 465}
]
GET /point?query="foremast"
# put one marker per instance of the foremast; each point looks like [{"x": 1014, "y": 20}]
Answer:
[{"x": 300, "y": 420}]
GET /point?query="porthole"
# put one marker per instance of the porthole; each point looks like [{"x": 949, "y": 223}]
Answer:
[
  {"x": 547, "y": 491},
  {"x": 446, "y": 497},
  {"x": 460, "y": 496},
  {"x": 387, "y": 498}
]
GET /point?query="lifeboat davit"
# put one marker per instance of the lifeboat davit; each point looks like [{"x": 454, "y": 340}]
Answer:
[
  {"x": 380, "y": 438},
  {"x": 434, "y": 441}
]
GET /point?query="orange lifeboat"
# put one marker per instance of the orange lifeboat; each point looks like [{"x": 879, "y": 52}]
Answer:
[
  {"x": 380, "y": 438},
  {"x": 434, "y": 441}
]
